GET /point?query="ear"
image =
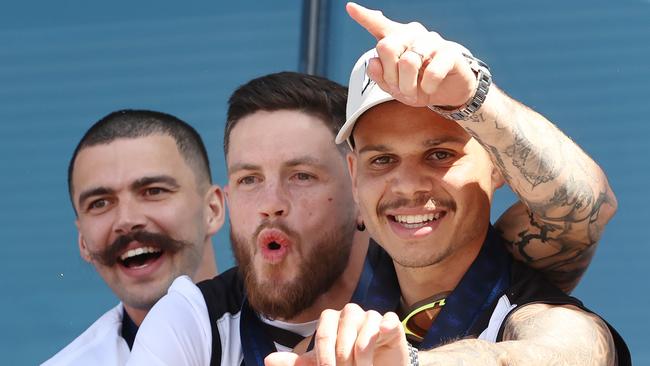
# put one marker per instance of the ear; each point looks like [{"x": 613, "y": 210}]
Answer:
[
  {"x": 352, "y": 169},
  {"x": 83, "y": 249},
  {"x": 215, "y": 209}
]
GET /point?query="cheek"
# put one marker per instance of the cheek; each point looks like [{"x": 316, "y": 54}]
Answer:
[
  {"x": 243, "y": 213},
  {"x": 310, "y": 205},
  {"x": 96, "y": 231},
  {"x": 318, "y": 206},
  {"x": 177, "y": 216},
  {"x": 462, "y": 175},
  {"x": 370, "y": 189}
]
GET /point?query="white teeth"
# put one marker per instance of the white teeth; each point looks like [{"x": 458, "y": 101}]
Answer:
[
  {"x": 417, "y": 219},
  {"x": 138, "y": 251}
]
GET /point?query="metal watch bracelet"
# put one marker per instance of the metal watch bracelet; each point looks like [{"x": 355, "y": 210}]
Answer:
[
  {"x": 465, "y": 111},
  {"x": 414, "y": 359}
]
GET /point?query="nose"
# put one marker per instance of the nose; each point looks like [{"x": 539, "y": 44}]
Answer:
[
  {"x": 129, "y": 217},
  {"x": 409, "y": 180},
  {"x": 273, "y": 201}
]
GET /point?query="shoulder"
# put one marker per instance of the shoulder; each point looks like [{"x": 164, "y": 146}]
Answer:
[
  {"x": 224, "y": 293},
  {"x": 176, "y": 330},
  {"x": 540, "y": 306},
  {"x": 100, "y": 344}
]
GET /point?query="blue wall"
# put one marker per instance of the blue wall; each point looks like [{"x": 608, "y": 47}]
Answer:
[{"x": 65, "y": 64}]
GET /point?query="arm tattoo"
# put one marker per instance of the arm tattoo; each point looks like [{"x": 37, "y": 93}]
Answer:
[
  {"x": 494, "y": 152},
  {"x": 535, "y": 167},
  {"x": 565, "y": 200}
]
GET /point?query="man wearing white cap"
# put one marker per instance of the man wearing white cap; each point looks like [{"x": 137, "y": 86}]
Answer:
[{"x": 432, "y": 139}]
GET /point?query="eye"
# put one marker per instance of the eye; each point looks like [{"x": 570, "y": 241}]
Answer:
[
  {"x": 382, "y": 160},
  {"x": 248, "y": 180},
  {"x": 304, "y": 176},
  {"x": 155, "y": 191},
  {"x": 98, "y": 205},
  {"x": 440, "y": 155}
]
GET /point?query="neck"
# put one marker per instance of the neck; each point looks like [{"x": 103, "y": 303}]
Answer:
[
  {"x": 341, "y": 291},
  {"x": 137, "y": 315},
  {"x": 417, "y": 284},
  {"x": 208, "y": 266}
]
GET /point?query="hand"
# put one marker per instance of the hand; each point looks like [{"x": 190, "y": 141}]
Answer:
[
  {"x": 353, "y": 336},
  {"x": 290, "y": 359},
  {"x": 416, "y": 66}
]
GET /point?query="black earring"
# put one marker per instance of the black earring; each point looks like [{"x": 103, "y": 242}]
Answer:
[{"x": 361, "y": 226}]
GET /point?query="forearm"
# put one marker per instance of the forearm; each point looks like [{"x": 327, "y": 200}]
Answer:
[
  {"x": 510, "y": 353},
  {"x": 536, "y": 334},
  {"x": 545, "y": 168},
  {"x": 565, "y": 195}
]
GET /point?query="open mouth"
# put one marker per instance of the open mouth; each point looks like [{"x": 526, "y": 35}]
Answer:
[
  {"x": 140, "y": 257},
  {"x": 417, "y": 221},
  {"x": 273, "y": 244}
]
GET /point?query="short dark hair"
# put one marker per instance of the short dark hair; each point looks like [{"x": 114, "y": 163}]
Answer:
[
  {"x": 131, "y": 123},
  {"x": 310, "y": 94}
]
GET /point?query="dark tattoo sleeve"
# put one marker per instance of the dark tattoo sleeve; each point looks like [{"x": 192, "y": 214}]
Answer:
[{"x": 566, "y": 197}]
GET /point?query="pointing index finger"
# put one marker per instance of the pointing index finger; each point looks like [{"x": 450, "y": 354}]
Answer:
[{"x": 373, "y": 21}]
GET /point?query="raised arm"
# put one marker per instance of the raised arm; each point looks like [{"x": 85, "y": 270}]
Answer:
[{"x": 565, "y": 199}]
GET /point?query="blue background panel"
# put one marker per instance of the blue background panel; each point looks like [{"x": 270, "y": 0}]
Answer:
[{"x": 64, "y": 65}]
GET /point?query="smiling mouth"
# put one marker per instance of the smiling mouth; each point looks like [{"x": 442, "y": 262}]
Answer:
[
  {"x": 417, "y": 221},
  {"x": 140, "y": 257}
]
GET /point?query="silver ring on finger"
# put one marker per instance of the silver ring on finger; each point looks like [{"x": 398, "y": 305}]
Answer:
[{"x": 423, "y": 58}]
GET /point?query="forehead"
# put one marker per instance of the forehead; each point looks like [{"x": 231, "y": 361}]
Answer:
[
  {"x": 125, "y": 160},
  {"x": 392, "y": 124},
  {"x": 270, "y": 138}
]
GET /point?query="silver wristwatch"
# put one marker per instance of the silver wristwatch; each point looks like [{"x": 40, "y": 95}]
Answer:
[
  {"x": 468, "y": 109},
  {"x": 414, "y": 360}
]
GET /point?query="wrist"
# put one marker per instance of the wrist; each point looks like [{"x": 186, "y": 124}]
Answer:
[{"x": 483, "y": 82}]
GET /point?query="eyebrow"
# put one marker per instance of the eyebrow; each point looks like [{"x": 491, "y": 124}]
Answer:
[
  {"x": 303, "y": 160},
  {"x": 145, "y": 181},
  {"x": 138, "y": 184},
  {"x": 97, "y": 191},
  {"x": 428, "y": 144},
  {"x": 242, "y": 166}
]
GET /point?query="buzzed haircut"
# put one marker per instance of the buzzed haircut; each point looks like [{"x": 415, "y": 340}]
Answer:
[
  {"x": 313, "y": 95},
  {"x": 132, "y": 123}
]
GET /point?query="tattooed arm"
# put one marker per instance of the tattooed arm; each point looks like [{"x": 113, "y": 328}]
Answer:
[
  {"x": 565, "y": 200},
  {"x": 535, "y": 334}
]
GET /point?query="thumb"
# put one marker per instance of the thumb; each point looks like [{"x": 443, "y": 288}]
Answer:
[
  {"x": 290, "y": 359},
  {"x": 373, "y": 21}
]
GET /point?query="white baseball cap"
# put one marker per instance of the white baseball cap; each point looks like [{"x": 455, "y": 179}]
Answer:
[{"x": 363, "y": 94}]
